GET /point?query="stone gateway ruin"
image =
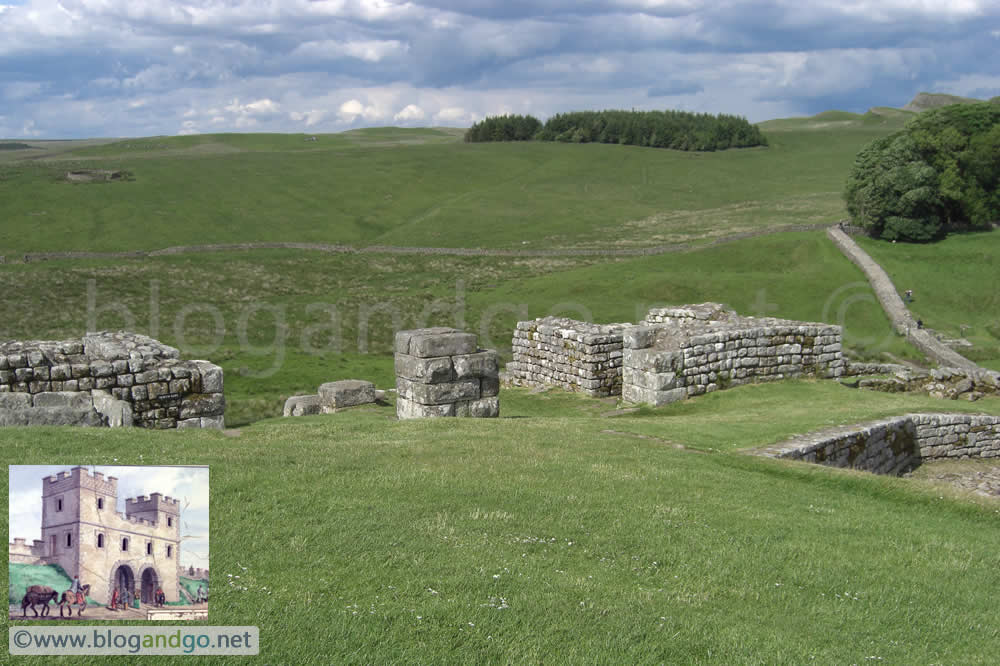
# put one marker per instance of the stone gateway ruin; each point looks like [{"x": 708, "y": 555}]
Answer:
[
  {"x": 672, "y": 354},
  {"x": 443, "y": 372},
  {"x": 107, "y": 379}
]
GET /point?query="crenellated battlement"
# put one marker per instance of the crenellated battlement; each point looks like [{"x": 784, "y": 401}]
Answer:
[
  {"x": 154, "y": 503},
  {"x": 79, "y": 477}
]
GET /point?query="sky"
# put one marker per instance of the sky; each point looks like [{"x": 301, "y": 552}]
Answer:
[
  {"x": 188, "y": 484},
  {"x": 127, "y": 68}
]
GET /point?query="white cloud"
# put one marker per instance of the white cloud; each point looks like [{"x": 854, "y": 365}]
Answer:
[
  {"x": 369, "y": 50},
  {"x": 455, "y": 114},
  {"x": 409, "y": 113},
  {"x": 352, "y": 109},
  {"x": 311, "y": 118},
  {"x": 259, "y": 107}
]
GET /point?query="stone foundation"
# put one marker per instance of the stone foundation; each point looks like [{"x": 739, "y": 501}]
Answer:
[
  {"x": 442, "y": 372},
  {"x": 691, "y": 350},
  {"x": 107, "y": 378},
  {"x": 893, "y": 446},
  {"x": 572, "y": 355}
]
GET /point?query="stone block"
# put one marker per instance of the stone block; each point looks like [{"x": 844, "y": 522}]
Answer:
[
  {"x": 439, "y": 341},
  {"x": 484, "y": 408},
  {"x": 409, "y": 409},
  {"x": 15, "y": 401},
  {"x": 347, "y": 393},
  {"x": 60, "y": 372},
  {"x": 489, "y": 386},
  {"x": 438, "y": 394},
  {"x": 211, "y": 376},
  {"x": 480, "y": 364},
  {"x": 73, "y": 400},
  {"x": 202, "y": 404},
  {"x": 425, "y": 370},
  {"x": 115, "y": 413},
  {"x": 302, "y": 405}
]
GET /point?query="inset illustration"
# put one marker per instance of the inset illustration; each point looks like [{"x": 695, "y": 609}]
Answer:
[{"x": 106, "y": 543}]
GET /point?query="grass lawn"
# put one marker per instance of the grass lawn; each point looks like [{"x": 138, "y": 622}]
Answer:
[{"x": 361, "y": 539}]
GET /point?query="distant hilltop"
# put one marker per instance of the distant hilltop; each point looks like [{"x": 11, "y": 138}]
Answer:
[{"x": 925, "y": 101}]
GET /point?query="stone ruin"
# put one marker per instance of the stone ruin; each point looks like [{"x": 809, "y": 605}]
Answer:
[
  {"x": 574, "y": 355},
  {"x": 442, "y": 372},
  {"x": 679, "y": 352},
  {"x": 672, "y": 354},
  {"x": 107, "y": 379},
  {"x": 333, "y": 397}
]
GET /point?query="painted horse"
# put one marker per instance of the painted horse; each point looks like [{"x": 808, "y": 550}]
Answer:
[
  {"x": 38, "y": 594},
  {"x": 69, "y": 599}
]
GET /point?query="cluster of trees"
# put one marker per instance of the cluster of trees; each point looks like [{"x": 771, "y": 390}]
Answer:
[
  {"x": 504, "y": 128},
  {"x": 679, "y": 130},
  {"x": 940, "y": 173}
]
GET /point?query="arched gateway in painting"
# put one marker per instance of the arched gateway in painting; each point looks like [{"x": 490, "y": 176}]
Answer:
[{"x": 150, "y": 581}]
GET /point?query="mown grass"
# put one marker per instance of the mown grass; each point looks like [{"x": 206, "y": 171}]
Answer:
[
  {"x": 361, "y": 539},
  {"x": 956, "y": 287},
  {"x": 419, "y": 188}
]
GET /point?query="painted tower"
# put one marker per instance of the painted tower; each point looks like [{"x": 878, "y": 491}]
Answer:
[{"x": 84, "y": 534}]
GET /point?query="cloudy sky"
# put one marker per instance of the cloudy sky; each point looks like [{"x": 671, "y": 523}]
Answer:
[
  {"x": 99, "y": 68},
  {"x": 188, "y": 484}
]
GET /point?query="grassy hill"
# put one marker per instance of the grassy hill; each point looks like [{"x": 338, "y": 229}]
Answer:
[
  {"x": 418, "y": 188},
  {"x": 925, "y": 101},
  {"x": 564, "y": 527}
]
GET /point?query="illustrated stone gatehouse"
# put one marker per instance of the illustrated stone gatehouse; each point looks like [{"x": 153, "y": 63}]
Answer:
[{"x": 83, "y": 533}]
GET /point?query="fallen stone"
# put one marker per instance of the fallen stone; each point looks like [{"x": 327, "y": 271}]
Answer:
[
  {"x": 347, "y": 393},
  {"x": 115, "y": 413},
  {"x": 302, "y": 405}
]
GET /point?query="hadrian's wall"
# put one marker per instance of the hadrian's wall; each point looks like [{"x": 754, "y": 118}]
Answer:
[
  {"x": 107, "y": 378},
  {"x": 892, "y": 446},
  {"x": 680, "y": 352},
  {"x": 573, "y": 355}
]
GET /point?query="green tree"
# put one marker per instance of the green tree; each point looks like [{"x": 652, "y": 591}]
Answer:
[{"x": 939, "y": 173}]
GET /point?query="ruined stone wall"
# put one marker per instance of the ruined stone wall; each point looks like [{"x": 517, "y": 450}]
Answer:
[
  {"x": 666, "y": 362},
  {"x": 572, "y": 355},
  {"x": 442, "y": 372},
  {"x": 893, "y": 446},
  {"x": 24, "y": 553},
  {"x": 127, "y": 378}
]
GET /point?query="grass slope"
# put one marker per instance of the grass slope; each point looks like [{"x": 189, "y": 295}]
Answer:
[
  {"x": 956, "y": 287},
  {"x": 294, "y": 320},
  {"x": 360, "y": 539},
  {"x": 419, "y": 188}
]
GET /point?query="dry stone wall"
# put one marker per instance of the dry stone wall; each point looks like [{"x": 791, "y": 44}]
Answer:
[
  {"x": 442, "y": 372},
  {"x": 895, "y": 445},
  {"x": 107, "y": 378},
  {"x": 572, "y": 355},
  {"x": 681, "y": 352}
]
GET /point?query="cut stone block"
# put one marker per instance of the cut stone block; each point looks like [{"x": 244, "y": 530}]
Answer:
[
  {"x": 438, "y": 341},
  {"x": 116, "y": 413},
  {"x": 484, "y": 408},
  {"x": 438, "y": 394},
  {"x": 302, "y": 405},
  {"x": 408, "y": 409},
  {"x": 425, "y": 370},
  {"x": 347, "y": 393},
  {"x": 15, "y": 401},
  {"x": 73, "y": 400},
  {"x": 480, "y": 364}
]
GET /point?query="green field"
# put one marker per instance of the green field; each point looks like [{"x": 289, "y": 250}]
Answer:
[
  {"x": 568, "y": 530},
  {"x": 387, "y": 188},
  {"x": 573, "y": 537}
]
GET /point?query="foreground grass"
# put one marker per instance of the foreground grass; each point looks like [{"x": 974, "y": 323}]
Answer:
[
  {"x": 361, "y": 539},
  {"x": 419, "y": 188},
  {"x": 956, "y": 286},
  {"x": 282, "y": 322}
]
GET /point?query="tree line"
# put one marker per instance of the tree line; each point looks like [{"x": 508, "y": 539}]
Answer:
[{"x": 679, "y": 130}]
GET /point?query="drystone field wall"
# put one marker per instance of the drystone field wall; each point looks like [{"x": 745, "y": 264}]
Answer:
[
  {"x": 893, "y": 446},
  {"x": 895, "y": 309},
  {"x": 681, "y": 352},
  {"x": 107, "y": 378},
  {"x": 442, "y": 372},
  {"x": 572, "y": 355}
]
